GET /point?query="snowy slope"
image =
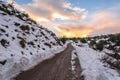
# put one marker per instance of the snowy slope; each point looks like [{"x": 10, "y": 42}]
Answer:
[
  {"x": 109, "y": 42},
  {"x": 92, "y": 66},
  {"x": 23, "y": 43}
]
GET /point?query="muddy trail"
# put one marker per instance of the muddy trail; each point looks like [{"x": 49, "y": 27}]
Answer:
[{"x": 56, "y": 68}]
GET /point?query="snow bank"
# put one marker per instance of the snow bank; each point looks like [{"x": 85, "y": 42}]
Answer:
[
  {"x": 12, "y": 68},
  {"x": 73, "y": 57},
  {"x": 92, "y": 67},
  {"x": 23, "y": 43}
]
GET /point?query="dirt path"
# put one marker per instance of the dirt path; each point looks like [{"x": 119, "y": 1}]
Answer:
[{"x": 57, "y": 68}]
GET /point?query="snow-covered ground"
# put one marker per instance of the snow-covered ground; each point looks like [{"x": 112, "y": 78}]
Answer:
[
  {"x": 73, "y": 57},
  {"x": 12, "y": 67},
  {"x": 23, "y": 43},
  {"x": 92, "y": 67}
]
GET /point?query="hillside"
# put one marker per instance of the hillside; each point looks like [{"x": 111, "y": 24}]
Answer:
[
  {"x": 94, "y": 65},
  {"x": 99, "y": 56},
  {"x": 23, "y": 43},
  {"x": 110, "y": 45}
]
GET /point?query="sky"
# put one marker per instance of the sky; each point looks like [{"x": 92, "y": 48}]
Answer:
[{"x": 74, "y": 18}]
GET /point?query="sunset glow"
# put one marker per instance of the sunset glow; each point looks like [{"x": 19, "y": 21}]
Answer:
[
  {"x": 56, "y": 15},
  {"x": 73, "y": 33},
  {"x": 74, "y": 18},
  {"x": 84, "y": 35}
]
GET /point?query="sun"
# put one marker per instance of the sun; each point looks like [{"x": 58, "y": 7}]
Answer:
[{"x": 84, "y": 35}]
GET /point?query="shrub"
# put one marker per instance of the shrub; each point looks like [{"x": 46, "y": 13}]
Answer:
[
  {"x": 5, "y": 9},
  {"x": 110, "y": 60},
  {"x": 47, "y": 44},
  {"x": 100, "y": 46},
  {"x": 59, "y": 42},
  {"x": 22, "y": 52},
  {"x": 32, "y": 29},
  {"x": 116, "y": 56},
  {"x": 12, "y": 55},
  {"x": 22, "y": 43},
  {"x": 3, "y": 62},
  {"x": 16, "y": 30},
  {"x": 63, "y": 40},
  {"x": 17, "y": 24},
  {"x": 52, "y": 34},
  {"x": 25, "y": 15},
  {"x": 25, "y": 28},
  {"x": 13, "y": 38},
  {"x": 112, "y": 38},
  {"x": 31, "y": 43},
  {"x": 20, "y": 17},
  {"x": 43, "y": 48},
  {"x": 46, "y": 37},
  {"x": 42, "y": 33},
  {"x": 34, "y": 21},
  {"x": 6, "y": 26},
  {"x": 4, "y": 43},
  {"x": 52, "y": 43},
  {"x": 7, "y": 35},
  {"x": 92, "y": 43},
  {"x": 2, "y": 30},
  {"x": 38, "y": 46},
  {"x": 31, "y": 53},
  {"x": 110, "y": 47},
  {"x": 83, "y": 40}
]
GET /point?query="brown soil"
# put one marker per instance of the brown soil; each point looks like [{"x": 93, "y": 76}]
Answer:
[{"x": 56, "y": 68}]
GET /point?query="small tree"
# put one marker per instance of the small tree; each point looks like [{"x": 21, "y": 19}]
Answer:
[
  {"x": 100, "y": 45},
  {"x": 92, "y": 43},
  {"x": 83, "y": 40}
]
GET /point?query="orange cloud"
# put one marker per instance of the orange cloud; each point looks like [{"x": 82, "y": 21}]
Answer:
[
  {"x": 74, "y": 31},
  {"x": 52, "y": 9},
  {"x": 105, "y": 22},
  {"x": 101, "y": 23},
  {"x": 71, "y": 21}
]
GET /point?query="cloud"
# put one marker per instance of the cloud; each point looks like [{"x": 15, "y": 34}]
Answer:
[
  {"x": 9, "y": 1},
  {"x": 71, "y": 21},
  {"x": 74, "y": 31},
  {"x": 106, "y": 22},
  {"x": 49, "y": 10},
  {"x": 101, "y": 22}
]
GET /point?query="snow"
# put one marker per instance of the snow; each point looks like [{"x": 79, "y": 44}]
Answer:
[
  {"x": 74, "y": 56},
  {"x": 21, "y": 59},
  {"x": 92, "y": 67},
  {"x": 18, "y": 58},
  {"x": 107, "y": 51}
]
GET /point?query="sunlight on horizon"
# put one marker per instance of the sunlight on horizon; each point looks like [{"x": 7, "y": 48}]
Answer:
[
  {"x": 70, "y": 35},
  {"x": 66, "y": 18},
  {"x": 84, "y": 36}
]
